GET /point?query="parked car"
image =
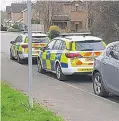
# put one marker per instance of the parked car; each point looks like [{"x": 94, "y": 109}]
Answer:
[
  {"x": 3, "y": 28},
  {"x": 19, "y": 47},
  {"x": 106, "y": 71},
  {"x": 70, "y": 55}
]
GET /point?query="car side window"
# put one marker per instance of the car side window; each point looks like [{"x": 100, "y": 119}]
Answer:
[
  {"x": 113, "y": 52},
  {"x": 116, "y": 52},
  {"x": 50, "y": 45},
  {"x": 57, "y": 44},
  {"x": 18, "y": 39},
  {"x": 62, "y": 46},
  {"x": 26, "y": 40},
  {"x": 108, "y": 51}
]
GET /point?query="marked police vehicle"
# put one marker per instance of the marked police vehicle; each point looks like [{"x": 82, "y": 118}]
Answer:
[
  {"x": 19, "y": 47},
  {"x": 70, "y": 54}
]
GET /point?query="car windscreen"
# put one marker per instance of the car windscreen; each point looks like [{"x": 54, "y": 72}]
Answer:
[
  {"x": 40, "y": 39},
  {"x": 90, "y": 45}
]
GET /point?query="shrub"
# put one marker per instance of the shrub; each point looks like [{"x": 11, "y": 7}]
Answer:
[
  {"x": 16, "y": 26},
  {"x": 35, "y": 21},
  {"x": 13, "y": 30},
  {"x": 53, "y": 32}
]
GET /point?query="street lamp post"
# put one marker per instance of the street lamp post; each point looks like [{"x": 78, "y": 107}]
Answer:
[{"x": 30, "y": 53}]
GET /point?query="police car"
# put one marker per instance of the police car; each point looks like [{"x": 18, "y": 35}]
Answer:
[
  {"x": 67, "y": 55},
  {"x": 19, "y": 47}
]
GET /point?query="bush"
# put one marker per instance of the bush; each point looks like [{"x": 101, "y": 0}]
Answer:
[
  {"x": 13, "y": 30},
  {"x": 16, "y": 26},
  {"x": 35, "y": 21},
  {"x": 53, "y": 32}
]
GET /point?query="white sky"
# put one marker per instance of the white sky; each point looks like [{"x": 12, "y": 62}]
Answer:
[{"x": 5, "y": 3}]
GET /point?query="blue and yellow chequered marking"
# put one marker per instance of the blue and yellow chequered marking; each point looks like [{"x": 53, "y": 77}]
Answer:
[{"x": 49, "y": 58}]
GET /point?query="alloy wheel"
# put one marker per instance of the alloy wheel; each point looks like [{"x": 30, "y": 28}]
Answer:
[
  {"x": 39, "y": 65},
  {"x": 58, "y": 71},
  {"x": 97, "y": 84}
]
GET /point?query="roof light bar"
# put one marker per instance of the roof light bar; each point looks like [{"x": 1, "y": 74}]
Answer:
[
  {"x": 75, "y": 34},
  {"x": 26, "y": 32}
]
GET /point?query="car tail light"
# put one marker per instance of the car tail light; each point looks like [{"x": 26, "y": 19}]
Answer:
[
  {"x": 90, "y": 63},
  {"x": 24, "y": 46},
  {"x": 73, "y": 55}
]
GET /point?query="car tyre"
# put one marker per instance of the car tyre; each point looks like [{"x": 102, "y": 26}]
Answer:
[
  {"x": 59, "y": 74},
  {"x": 98, "y": 85},
  {"x": 19, "y": 60},
  {"x": 11, "y": 56},
  {"x": 39, "y": 65}
]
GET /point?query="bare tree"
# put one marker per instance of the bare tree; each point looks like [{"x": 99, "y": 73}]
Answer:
[
  {"x": 103, "y": 19},
  {"x": 45, "y": 10}
]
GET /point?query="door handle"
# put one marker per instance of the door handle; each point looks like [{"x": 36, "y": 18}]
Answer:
[
  {"x": 104, "y": 63},
  {"x": 117, "y": 68}
]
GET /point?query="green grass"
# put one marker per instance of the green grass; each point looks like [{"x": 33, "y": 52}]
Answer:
[{"x": 15, "y": 107}]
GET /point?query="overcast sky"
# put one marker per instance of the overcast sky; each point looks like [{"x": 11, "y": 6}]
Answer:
[{"x": 5, "y": 3}]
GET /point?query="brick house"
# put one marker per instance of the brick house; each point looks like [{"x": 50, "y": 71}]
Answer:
[
  {"x": 73, "y": 17},
  {"x": 24, "y": 16},
  {"x": 14, "y": 12}
]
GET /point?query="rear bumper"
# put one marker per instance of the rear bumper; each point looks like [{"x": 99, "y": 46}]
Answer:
[
  {"x": 77, "y": 70},
  {"x": 25, "y": 56}
]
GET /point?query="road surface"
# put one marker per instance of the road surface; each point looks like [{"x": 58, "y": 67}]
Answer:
[{"x": 72, "y": 99}]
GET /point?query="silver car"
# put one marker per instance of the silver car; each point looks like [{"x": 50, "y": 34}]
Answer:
[{"x": 106, "y": 71}]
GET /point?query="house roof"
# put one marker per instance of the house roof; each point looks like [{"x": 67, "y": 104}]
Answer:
[
  {"x": 8, "y": 9},
  {"x": 20, "y": 20},
  {"x": 24, "y": 10},
  {"x": 60, "y": 18},
  {"x": 16, "y": 8}
]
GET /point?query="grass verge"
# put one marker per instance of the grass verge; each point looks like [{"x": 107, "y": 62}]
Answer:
[{"x": 15, "y": 107}]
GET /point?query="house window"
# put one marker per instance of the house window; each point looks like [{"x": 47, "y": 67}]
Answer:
[
  {"x": 80, "y": 24},
  {"x": 62, "y": 25},
  {"x": 76, "y": 25},
  {"x": 76, "y": 7}
]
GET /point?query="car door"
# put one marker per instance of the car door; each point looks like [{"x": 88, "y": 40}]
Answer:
[
  {"x": 109, "y": 69},
  {"x": 55, "y": 53},
  {"x": 116, "y": 65},
  {"x": 45, "y": 55},
  {"x": 15, "y": 46}
]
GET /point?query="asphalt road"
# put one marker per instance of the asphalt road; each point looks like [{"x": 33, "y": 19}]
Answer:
[{"x": 73, "y": 99}]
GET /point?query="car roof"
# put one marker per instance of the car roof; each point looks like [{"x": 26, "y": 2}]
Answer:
[
  {"x": 112, "y": 43},
  {"x": 36, "y": 34},
  {"x": 79, "y": 38}
]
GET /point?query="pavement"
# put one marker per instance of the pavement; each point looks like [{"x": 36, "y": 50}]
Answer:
[{"x": 72, "y": 99}]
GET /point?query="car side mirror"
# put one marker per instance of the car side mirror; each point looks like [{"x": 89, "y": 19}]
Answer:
[
  {"x": 43, "y": 49},
  {"x": 12, "y": 42},
  {"x": 112, "y": 53}
]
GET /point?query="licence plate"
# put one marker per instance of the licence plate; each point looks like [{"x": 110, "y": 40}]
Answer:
[
  {"x": 89, "y": 59},
  {"x": 85, "y": 70}
]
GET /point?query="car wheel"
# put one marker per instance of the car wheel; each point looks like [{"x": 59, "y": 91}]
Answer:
[
  {"x": 39, "y": 65},
  {"x": 11, "y": 56},
  {"x": 98, "y": 85},
  {"x": 19, "y": 60},
  {"x": 59, "y": 74}
]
